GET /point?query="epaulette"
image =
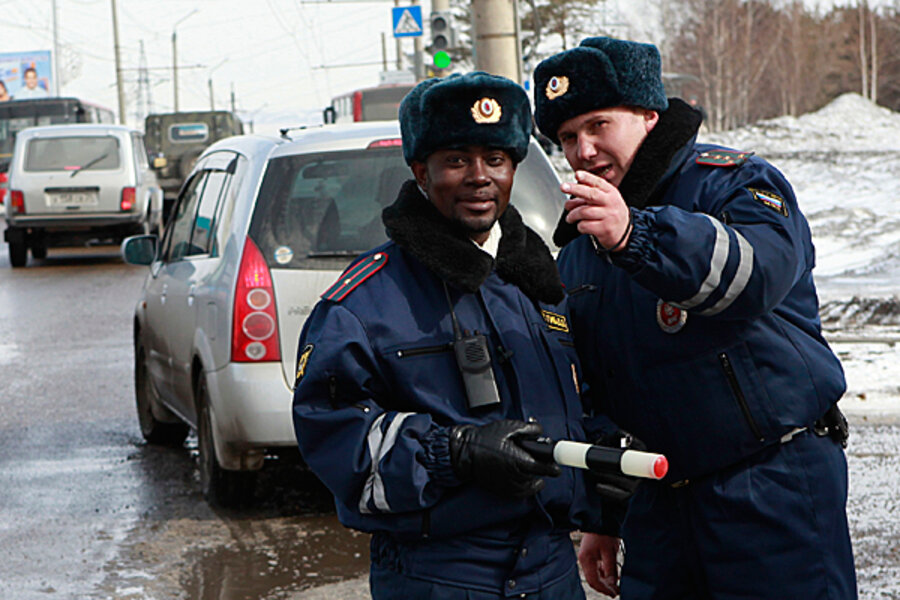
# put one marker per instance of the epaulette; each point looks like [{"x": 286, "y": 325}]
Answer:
[
  {"x": 723, "y": 158},
  {"x": 355, "y": 275}
]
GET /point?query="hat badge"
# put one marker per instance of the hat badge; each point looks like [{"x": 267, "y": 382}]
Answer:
[
  {"x": 557, "y": 86},
  {"x": 486, "y": 110}
]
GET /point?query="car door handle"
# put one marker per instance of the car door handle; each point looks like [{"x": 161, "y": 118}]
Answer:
[
  {"x": 190, "y": 296},
  {"x": 162, "y": 296}
]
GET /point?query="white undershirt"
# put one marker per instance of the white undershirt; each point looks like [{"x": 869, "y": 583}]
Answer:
[{"x": 492, "y": 243}]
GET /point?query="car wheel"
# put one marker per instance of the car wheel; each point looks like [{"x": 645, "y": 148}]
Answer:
[
  {"x": 18, "y": 253},
  {"x": 221, "y": 487},
  {"x": 153, "y": 430}
]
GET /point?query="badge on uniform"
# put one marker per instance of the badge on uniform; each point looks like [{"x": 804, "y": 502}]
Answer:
[
  {"x": 486, "y": 110},
  {"x": 555, "y": 322},
  {"x": 302, "y": 362},
  {"x": 671, "y": 319},
  {"x": 771, "y": 200}
]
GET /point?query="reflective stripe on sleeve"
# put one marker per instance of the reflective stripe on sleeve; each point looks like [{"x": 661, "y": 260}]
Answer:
[
  {"x": 379, "y": 445},
  {"x": 716, "y": 265},
  {"x": 741, "y": 278}
]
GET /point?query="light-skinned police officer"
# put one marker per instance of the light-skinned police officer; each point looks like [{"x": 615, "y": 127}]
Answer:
[
  {"x": 689, "y": 274},
  {"x": 434, "y": 353}
]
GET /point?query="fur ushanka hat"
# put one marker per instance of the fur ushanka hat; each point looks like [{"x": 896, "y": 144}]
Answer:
[
  {"x": 462, "y": 110},
  {"x": 600, "y": 73}
]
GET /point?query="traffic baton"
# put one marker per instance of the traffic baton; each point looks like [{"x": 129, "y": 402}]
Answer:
[{"x": 600, "y": 459}]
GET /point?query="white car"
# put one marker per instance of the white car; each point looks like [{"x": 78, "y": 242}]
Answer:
[
  {"x": 70, "y": 184},
  {"x": 261, "y": 227}
]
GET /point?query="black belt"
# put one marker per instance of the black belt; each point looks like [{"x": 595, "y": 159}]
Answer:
[{"x": 784, "y": 440}]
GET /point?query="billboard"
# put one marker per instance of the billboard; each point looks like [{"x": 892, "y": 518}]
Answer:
[{"x": 27, "y": 74}]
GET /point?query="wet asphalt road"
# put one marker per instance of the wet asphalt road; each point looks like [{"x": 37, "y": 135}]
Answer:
[{"x": 89, "y": 511}]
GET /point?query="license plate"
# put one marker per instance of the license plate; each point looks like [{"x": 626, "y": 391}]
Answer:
[{"x": 72, "y": 199}]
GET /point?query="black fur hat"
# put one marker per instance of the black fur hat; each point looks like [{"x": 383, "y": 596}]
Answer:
[
  {"x": 461, "y": 110},
  {"x": 600, "y": 73}
]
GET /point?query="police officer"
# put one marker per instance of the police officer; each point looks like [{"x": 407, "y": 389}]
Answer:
[
  {"x": 433, "y": 354},
  {"x": 689, "y": 273}
]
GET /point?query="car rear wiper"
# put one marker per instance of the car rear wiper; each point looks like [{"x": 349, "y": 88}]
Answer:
[
  {"x": 89, "y": 163},
  {"x": 334, "y": 253}
]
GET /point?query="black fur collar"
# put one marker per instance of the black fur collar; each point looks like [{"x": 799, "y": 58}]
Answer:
[
  {"x": 522, "y": 258},
  {"x": 676, "y": 128}
]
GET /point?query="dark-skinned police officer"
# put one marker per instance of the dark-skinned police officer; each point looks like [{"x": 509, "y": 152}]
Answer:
[
  {"x": 689, "y": 276},
  {"x": 434, "y": 353}
]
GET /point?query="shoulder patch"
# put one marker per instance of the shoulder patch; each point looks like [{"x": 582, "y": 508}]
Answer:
[
  {"x": 723, "y": 158},
  {"x": 302, "y": 361},
  {"x": 555, "y": 321},
  {"x": 771, "y": 200},
  {"x": 355, "y": 275}
]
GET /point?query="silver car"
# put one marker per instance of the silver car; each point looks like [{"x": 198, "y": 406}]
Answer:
[
  {"x": 70, "y": 184},
  {"x": 261, "y": 227}
]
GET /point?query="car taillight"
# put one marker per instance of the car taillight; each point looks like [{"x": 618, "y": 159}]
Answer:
[
  {"x": 4, "y": 178},
  {"x": 127, "y": 202},
  {"x": 254, "y": 335},
  {"x": 17, "y": 201},
  {"x": 386, "y": 143}
]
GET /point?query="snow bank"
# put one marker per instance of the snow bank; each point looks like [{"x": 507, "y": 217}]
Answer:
[{"x": 850, "y": 123}]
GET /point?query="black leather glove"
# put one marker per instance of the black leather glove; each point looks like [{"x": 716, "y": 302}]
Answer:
[
  {"x": 834, "y": 424},
  {"x": 489, "y": 456},
  {"x": 616, "y": 487}
]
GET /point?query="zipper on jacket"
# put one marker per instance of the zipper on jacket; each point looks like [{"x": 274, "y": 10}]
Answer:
[
  {"x": 407, "y": 353},
  {"x": 739, "y": 395}
]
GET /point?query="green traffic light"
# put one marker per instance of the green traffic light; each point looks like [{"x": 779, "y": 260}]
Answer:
[{"x": 441, "y": 60}]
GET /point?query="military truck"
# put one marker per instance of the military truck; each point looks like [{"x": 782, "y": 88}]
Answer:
[{"x": 175, "y": 140}]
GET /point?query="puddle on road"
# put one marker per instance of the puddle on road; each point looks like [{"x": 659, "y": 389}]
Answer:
[{"x": 266, "y": 560}]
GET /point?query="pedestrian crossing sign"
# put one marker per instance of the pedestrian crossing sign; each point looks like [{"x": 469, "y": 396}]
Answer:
[{"x": 407, "y": 21}]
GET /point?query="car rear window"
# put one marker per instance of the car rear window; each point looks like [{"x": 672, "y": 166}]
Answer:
[
  {"x": 316, "y": 211},
  {"x": 315, "y": 208},
  {"x": 72, "y": 153},
  {"x": 189, "y": 132}
]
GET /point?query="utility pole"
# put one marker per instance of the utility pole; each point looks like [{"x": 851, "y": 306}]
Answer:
[
  {"x": 119, "y": 86},
  {"x": 57, "y": 83},
  {"x": 212, "y": 102},
  {"x": 175, "y": 56},
  {"x": 496, "y": 43},
  {"x": 419, "y": 64},
  {"x": 174, "y": 69},
  {"x": 398, "y": 45}
]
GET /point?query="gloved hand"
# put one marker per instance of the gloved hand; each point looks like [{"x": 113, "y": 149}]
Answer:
[
  {"x": 834, "y": 424},
  {"x": 489, "y": 456},
  {"x": 616, "y": 487}
]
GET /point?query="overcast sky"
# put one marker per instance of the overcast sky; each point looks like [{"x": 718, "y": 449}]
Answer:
[{"x": 285, "y": 58}]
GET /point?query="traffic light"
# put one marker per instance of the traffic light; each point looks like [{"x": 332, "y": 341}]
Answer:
[
  {"x": 442, "y": 32},
  {"x": 443, "y": 40}
]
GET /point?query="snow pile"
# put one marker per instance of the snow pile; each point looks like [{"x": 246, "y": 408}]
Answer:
[{"x": 850, "y": 123}]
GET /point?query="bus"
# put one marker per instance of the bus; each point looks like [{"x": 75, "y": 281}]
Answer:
[
  {"x": 16, "y": 115},
  {"x": 368, "y": 104}
]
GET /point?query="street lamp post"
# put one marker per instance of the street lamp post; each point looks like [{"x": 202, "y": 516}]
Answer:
[{"x": 175, "y": 55}]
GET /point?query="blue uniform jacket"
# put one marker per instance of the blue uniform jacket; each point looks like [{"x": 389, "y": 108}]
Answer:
[
  {"x": 717, "y": 235},
  {"x": 378, "y": 386}
]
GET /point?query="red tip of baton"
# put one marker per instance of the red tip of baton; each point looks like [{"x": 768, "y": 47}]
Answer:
[{"x": 660, "y": 467}]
